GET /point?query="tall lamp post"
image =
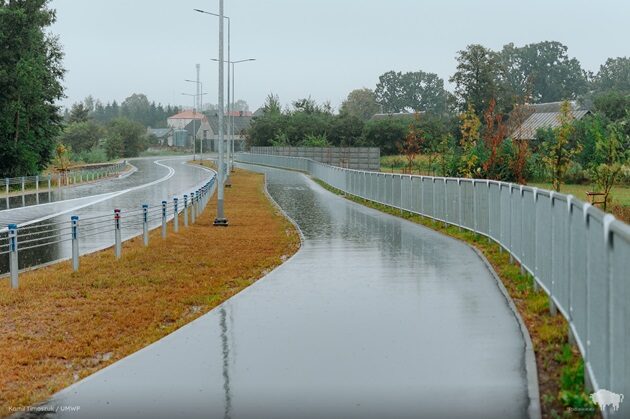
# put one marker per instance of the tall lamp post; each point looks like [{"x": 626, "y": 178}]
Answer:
[
  {"x": 233, "y": 134},
  {"x": 195, "y": 96},
  {"x": 194, "y": 139},
  {"x": 220, "y": 220},
  {"x": 221, "y": 17},
  {"x": 198, "y": 97}
]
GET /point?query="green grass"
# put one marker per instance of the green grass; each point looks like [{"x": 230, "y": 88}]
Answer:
[
  {"x": 620, "y": 194},
  {"x": 396, "y": 164}
]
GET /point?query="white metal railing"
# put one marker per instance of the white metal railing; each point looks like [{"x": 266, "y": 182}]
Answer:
[
  {"x": 38, "y": 237},
  {"x": 578, "y": 254},
  {"x": 25, "y": 185}
]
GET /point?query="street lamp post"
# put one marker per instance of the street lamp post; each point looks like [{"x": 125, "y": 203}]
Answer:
[
  {"x": 194, "y": 139},
  {"x": 198, "y": 100},
  {"x": 221, "y": 16},
  {"x": 194, "y": 118},
  {"x": 233, "y": 134},
  {"x": 220, "y": 220}
]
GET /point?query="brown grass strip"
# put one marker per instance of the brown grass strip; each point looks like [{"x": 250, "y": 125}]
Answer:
[{"x": 61, "y": 326}]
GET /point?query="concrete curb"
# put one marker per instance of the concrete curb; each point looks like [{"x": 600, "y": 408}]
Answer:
[{"x": 129, "y": 172}]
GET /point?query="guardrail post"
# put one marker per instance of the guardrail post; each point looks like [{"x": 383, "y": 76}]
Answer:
[
  {"x": 175, "y": 216},
  {"x": 118, "y": 240},
  {"x": 13, "y": 255},
  {"x": 185, "y": 210},
  {"x": 459, "y": 207},
  {"x": 75, "y": 242},
  {"x": 145, "y": 224},
  {"x": 192, "y": 207},
  {"x": 553, "y": 310},
  {"x": 163, "y": 219},
  {"x": 23, "y": 185},
  {"x": 7, "y": 192}
]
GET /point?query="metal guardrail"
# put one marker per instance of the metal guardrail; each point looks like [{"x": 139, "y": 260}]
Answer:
[
  {"x": 35, "y": 184},
  {"x": 578, "y": 254},
  {"x": 15, "y": 239}
]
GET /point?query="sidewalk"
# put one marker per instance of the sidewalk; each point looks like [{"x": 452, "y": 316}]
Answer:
[{"x": 374, "y": 317}]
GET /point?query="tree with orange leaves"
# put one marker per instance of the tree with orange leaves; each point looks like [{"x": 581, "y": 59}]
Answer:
[
  {"x": 494, "y": 134},
  {"x": 410, "y": 148}
]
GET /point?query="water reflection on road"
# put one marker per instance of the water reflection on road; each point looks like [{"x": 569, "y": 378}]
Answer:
[{"x": 374, "y": 317}]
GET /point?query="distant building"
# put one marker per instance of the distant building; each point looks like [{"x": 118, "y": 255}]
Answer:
[
  {"x": 542, "y": 115},
  {"x": 242, "y": 122},
  {"x": 164, "y": 136},
  {"x": 394, "y": 115},
  {"x": 185, "y": 126}
]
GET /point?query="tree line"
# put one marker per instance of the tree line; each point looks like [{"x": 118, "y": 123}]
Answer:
[
  {"x": 93, "y": 132},
  {"x": 469, "y": 132}
]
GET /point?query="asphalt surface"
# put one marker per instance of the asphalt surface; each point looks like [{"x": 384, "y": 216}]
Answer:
[
  {"x": 157, "y": 179},
  {"x": 375, "y": 317}
]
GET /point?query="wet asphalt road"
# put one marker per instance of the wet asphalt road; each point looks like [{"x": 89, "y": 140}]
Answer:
[
  {"x": 157, "y": 179},
  {"x": 375, "y": 317}
]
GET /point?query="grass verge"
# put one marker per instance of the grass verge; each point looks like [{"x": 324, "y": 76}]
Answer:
[
  {"x": 61, "y": 326},
  {"x": 560, "y": 366}
]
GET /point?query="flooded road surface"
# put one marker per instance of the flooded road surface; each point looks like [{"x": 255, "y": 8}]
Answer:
[
  {"x": 375, "y": 317},
  {"x": 155, "y": 180}
]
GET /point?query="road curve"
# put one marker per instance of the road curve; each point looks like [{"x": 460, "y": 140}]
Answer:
[
  {"x": 157, "y": 179},
  {"x": 374, "y": 317}
]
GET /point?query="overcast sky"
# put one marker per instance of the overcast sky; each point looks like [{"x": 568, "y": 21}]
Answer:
[{"x": 322, "y": 48}]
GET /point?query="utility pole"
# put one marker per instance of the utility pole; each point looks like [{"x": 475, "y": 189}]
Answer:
[
  {"x": 221, "y": 220},
  {"x": 228, "y": 183},
  {"x": 199, "y": 108}
]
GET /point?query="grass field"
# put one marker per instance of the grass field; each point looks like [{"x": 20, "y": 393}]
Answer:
[
  {"x": 620, "y": 194},
  {"x": 61, "y": 326}
]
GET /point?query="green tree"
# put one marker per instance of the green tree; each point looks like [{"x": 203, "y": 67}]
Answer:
[
  {"x": 81, "y": 136},
  {"x": 272, "y": 104},
  {"x": 542, "y": 71},
  {"x": 614, "y": 75},
  {"x": 30, "y": 86},
  {"x": 315, "y": 141},
  {"x": 131, "y": 134},
  {"x": 411, "y": 92},
  {"x": 360, "y": 103},
  {"x": 385, "y": 133},
  {"x": 114, "y": 146},
  {"x": 137, "y": 108},
  {"x": 469, "y": 127},
  {"x": 346, "y": 131},
  {"x": 78, "y": 113},
  {"x": 614, "y": 105},
  {"x": 558, "y": 150},
  {"x": 266, "y": 128},
  {"x": 611, "y": 154},
  {"x": 478, "y": 78}
]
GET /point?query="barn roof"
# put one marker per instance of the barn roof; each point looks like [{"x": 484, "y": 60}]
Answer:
[{"x": 543, "y": 115}]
